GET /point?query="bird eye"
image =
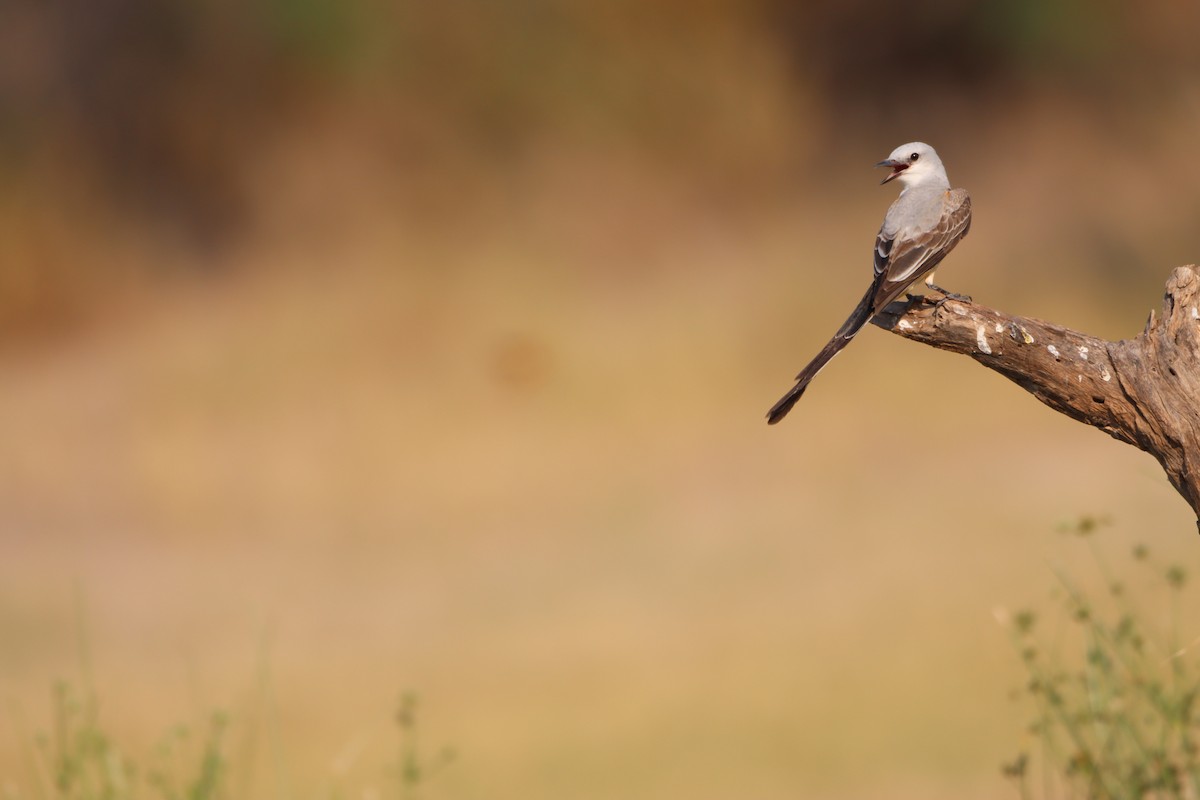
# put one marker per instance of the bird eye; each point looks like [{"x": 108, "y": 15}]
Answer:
[{"x": 914, "y": 156}]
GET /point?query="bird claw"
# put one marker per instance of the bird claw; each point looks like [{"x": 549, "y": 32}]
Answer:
[{"x": 946, "y": 295}]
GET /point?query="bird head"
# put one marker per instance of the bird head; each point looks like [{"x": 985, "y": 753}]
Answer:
[{"x": 913, "y": 164}]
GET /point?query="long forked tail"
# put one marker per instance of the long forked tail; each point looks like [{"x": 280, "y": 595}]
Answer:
[{"x": 859, "y": 317}]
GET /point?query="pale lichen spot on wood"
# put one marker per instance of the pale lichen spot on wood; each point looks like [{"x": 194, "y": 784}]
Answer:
[
  {"x": 981, "y": 341},
  {"x": 999, "y": 328},
  {"x": 1053, "y": 350},
  {"x": 1105, "y": 375},
  {"x": 904, "y": 324},
  {"x": 1019, "y": 334},
  {"x": 1083, "y": 352},
  {"x": 1195, "y": 313}
]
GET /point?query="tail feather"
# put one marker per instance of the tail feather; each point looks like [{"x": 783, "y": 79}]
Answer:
[{"x": 859, "y": 317}]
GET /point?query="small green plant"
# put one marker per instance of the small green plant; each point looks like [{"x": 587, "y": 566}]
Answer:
[
  {"x": 414, "y": 770},
  {"x": 79, "y": 759},
  {"x": 1114, "y": 691},
  {"x": 205, "y": 774}
]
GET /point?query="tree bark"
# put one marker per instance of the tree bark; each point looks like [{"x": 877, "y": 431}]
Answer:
[{"x": 1144, "y": 391}]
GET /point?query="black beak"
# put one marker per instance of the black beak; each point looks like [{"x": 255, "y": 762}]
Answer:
[{"x": 896, "y": 166}]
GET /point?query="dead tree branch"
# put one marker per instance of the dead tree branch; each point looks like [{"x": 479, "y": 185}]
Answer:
[{"x": 1144, "y": 391}]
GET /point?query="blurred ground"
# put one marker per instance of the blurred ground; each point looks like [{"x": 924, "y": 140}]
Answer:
[{"x": 429, "y": 396}]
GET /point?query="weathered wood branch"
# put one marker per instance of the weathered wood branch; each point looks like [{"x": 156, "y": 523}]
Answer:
[{"x": 1144, "y": 391}]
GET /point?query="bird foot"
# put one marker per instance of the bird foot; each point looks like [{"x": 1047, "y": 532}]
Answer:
[{"x": 946, "y": 295}]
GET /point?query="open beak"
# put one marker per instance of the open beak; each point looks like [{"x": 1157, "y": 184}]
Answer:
[{"x": 896, "y": 166}]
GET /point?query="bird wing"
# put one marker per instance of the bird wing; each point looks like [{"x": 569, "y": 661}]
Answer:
[{"x": 899, "y": 262}]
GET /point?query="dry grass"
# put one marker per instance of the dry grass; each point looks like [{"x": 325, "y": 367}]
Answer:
[{"x": 521, "y": 467}]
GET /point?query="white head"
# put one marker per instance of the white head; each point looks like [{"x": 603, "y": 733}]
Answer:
[{"x": 915, "y": 164}]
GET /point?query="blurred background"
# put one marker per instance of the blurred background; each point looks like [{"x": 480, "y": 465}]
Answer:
[{"x": 426, "y": 346}]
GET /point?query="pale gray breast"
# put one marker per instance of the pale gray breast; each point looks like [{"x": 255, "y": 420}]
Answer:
[{"x": 917, "y": 209}]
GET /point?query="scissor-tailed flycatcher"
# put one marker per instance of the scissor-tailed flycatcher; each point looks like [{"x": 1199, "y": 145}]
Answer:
[{"x": 920, "y": 228}]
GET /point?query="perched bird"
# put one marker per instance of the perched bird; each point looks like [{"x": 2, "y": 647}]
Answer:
[{"x": 920, "y": 228}]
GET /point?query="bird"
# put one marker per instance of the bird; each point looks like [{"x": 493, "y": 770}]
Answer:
[{"x": 920, "y": 228}]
